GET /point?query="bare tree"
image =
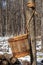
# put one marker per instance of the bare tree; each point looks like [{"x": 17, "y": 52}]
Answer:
[{"x": 30, "y": 20}]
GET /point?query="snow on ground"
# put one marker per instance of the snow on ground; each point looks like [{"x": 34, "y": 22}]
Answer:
[
  {"x": 39, "y": 53},
  {"x": 4, "y": 48},
  {"x": 25, "y": 58},
  {"x": 38, "y": 45},
  {"x": 39, "y": 56}
]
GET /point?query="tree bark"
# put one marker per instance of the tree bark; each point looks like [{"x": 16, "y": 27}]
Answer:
[
  {"x": 32, "y": 31},
  {"x": 42, "y": 27},
  {"x": 0, "y": 19}
]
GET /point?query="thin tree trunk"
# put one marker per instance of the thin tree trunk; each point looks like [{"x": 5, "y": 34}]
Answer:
[
  {"x": 42, "y": 27},
  {"x": 32, "y": 32},
  {"x": 0, "y": 20}
]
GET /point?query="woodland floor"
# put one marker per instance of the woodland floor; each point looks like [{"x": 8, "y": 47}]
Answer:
[{"x": 4, "y": 48}]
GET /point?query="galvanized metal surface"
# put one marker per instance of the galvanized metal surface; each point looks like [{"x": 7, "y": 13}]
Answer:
[{"x": 19, "y": 45}]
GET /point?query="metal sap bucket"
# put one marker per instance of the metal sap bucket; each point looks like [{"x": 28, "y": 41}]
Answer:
[{"x": 19, "y": 45}]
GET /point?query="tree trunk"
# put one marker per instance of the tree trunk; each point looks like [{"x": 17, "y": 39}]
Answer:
[
  {"x": 0, "y": 19},
  {"x": 32, "y": 31},
  {"x": 42, "y": 26}
]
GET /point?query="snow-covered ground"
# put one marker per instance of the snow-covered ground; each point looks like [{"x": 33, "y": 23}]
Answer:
[
  {"x": 39, "y": 56},
  {"x": 4, "y": 48},
  {"x": 38, "y": 45},
  {"x": 4, "y": 45},
  {"x": 25, "y": 58},
  {"x": 39, "y": 53}
]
